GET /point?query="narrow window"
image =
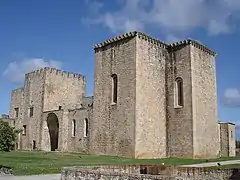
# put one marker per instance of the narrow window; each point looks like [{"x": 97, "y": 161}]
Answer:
[
  {"x": 85, "y": 127},
  {"x": 179, "y": 92},
  {"x": 34, "y": 144},
  {"x": 113, "y": 53},
  {"x": 231, "y": 134},
  {"x": 31, "y": 112},
  {"x": 16, "y": 112},
  {"x": 114, "y": 88},
  {"x": 59, "y": 107},
  {"x": 73, "y": 128},
  {"x": 24, "y": 130}
]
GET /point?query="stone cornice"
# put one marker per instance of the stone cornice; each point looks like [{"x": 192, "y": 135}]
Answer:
[{"x": 195, "y": 44}]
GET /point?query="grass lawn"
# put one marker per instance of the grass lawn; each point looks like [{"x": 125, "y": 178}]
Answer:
[{"x": 26, "y": 163}]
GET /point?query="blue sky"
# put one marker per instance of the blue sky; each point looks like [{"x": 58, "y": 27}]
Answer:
[{"x": 61, "y": 34}]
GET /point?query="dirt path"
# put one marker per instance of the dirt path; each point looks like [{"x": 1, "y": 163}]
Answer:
[
  {"x": 35, "y": 177},
  {"x": 210, "y": 164}
]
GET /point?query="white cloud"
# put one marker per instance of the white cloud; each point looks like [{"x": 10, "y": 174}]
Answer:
[
  {"x": 232, "y": 97},
  {"x": 232, "y": 93},
  {"x": 168, "y": 16},
  {"x": 16, "y": 70}
]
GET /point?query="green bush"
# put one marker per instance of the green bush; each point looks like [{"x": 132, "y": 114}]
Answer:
[{"x": 7, "y": 137}]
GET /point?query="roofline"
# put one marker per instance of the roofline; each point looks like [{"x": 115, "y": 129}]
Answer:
[
  {"x": 155, "y": 41},
  {"x": 227, "y": 123},
  {"x": 196, "y": 44},
  {"x": 130, "y": 35}
]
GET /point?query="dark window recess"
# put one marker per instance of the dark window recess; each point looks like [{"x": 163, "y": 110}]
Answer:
[
  {"x": 34, "y": 144},
  {"x": 114, "y": 88},
  {"x": 16, "y": 112},
  {"x": 24, "y": 130},
  {"x": 31, "y": 112}
]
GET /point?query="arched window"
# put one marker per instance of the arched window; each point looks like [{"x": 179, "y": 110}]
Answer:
[
  {"x": 73, "y": 128},
  {"x": 114, "y": 88},
  {"x": 85, "y": 127},
  {"x": 113, "y": 53},
  {"x": 179, "y": 92}
]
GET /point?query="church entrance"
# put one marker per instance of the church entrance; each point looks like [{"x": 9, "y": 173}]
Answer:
[{"x": 53, "y": 127}]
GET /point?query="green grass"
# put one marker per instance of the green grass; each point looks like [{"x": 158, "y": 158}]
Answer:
[{"x": 27, "y": 163}]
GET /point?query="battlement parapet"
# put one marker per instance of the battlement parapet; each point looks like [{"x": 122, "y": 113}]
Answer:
[
  {"x": 56, "y": 72},
  {"x": 130, "y": 35},
  {"x": 194, "y": 43},
  {"x": 20, "y": 89},
  {"x": 156, "y": 41}
]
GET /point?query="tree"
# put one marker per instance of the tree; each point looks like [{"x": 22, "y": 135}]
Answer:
[{"x": 7, "y": 136}]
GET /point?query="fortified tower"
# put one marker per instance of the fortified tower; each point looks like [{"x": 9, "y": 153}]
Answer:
[
  {"x": 46, "y": 89},
  {"x": 154, "y": 100},
  {"x": 192, "y": 122}
]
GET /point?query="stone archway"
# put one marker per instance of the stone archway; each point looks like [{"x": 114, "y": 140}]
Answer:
[{"x": 53, "y": 127}]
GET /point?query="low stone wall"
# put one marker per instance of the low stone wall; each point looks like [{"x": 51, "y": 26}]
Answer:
[
  {"x": 146, "y": 172},
  {"x": 4, "y": 170}
]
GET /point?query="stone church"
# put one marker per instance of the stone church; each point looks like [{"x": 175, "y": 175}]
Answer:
[{"x": 151, "y": 100}]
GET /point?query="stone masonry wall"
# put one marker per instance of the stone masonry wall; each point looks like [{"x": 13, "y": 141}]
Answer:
[
  {"x": 204, "y": 94},
  {"x": 179, "y": 119},
  {"x": 63, "y": 89},
  {"x": 232, "y": 139},
  {"x": 150, "y": 118},
  {"x": 227, "y": 139},
  {"x": 17, "y": 100},
  {"x": 80, "y": 142},
  {"x": 33, "y": 98},
  {"x": 46, "y": 89},
  {"x": 130, "y": 172},
  {"x": 113, "y": 125}
]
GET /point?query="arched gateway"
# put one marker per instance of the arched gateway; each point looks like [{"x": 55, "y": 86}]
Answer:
[{"x": 53, "y": 127}]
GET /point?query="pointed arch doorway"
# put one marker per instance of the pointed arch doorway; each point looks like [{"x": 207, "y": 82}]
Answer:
[{"x": 53, "y": 128}]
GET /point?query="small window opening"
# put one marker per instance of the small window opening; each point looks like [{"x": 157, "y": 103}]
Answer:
[
  {"x": 24, "y": 130},
  {"x": 85, "y": 127},
  {"x": 114, "y": 88},
  {"x": 59, "y": 107},
  {"x": 73, "y": 128},
  {"x": 16, "y": 112},
  {"x": 34, "y": 144},
  {"x": 113, "y": 53},
  {"x": 31, "y": 112},
  {"x": 179, "y": 92}
]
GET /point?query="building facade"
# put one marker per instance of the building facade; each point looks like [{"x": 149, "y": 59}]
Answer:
[{"x": 151, "y": 100}]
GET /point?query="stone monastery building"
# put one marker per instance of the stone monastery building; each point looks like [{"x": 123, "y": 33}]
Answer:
[{"x": 151, "y": 100}]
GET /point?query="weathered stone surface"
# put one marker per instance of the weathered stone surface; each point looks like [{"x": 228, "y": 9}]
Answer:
[
  {"x": 227, "y": 135},
  {"x": 145, "y": 122},
  {"x": 170, "y": 173},
  {"x": 4, "y": 170}
]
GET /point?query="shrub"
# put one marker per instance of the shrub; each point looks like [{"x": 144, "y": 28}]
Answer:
[{"x": 7, "y": 136}]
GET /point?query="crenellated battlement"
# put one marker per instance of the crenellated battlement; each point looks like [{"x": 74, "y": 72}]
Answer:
[
  {"x": 156, "y": 41},
  {"x": 57, "y": 72},
  {"x": 36, "y": 72},
  {"x": 20, "y": 89},
  {"x": 194, "y": 43},
  {"x": 130, "y": 35},
  {"x": 65, "y": 73}
]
